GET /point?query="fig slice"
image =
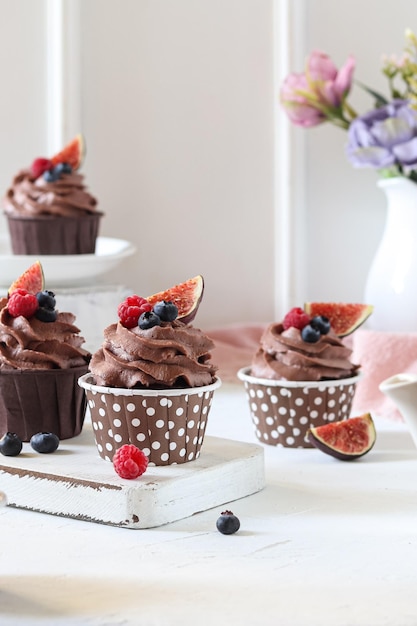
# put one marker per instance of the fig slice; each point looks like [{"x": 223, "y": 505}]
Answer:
[
  {"x": 344, "y": 317},
  {"x": 345, "y": 440},
  {"x": 186, "y": 296},
  {"x": 73, "y": 153},
  {"x": 32, "y": 280}
]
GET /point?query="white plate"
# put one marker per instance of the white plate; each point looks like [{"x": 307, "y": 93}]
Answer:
[{"x": 67, "y": 270}]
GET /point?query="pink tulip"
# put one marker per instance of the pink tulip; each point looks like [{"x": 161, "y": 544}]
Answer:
[
  {"x": 299, "y": 109},
  {"x": 329, "y": 83},
  {"x": 317, "y": 95}
]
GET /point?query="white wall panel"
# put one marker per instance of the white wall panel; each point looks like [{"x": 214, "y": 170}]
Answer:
[
  {"x": 23, "y": 102},
  {"x": 178, "y": 111}
]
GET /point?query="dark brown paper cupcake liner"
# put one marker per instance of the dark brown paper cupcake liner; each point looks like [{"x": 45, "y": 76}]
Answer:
[
  {"x": 167, "y": 425},
  {"x": 42, "y": 400},
  {"x": 283, "y": 411},
  {"x": 48, "y": 234}
]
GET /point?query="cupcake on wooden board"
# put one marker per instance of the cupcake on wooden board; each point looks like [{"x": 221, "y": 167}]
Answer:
[{"x": 151, "y": 383}]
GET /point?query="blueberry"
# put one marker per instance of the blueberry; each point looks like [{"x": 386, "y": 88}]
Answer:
[
  {"x": 46, "y": 299},
  {"x": 321, "y": 323},
  {"x": 227, "y": 523},
  {"x": 167, "y": 311},
  {"x": 310, "y": 334},
  {"x": 50, "y": 176},
  {"x": 149, "y": 319},
  {"x": 46, "y": 315},
  {"x": 62, "y": 168},
  {"x": 44, "y": 442},
  {"x": 10, "y": 444}
]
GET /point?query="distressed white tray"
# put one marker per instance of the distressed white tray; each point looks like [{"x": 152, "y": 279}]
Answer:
[{"x": 75, "y": 482}]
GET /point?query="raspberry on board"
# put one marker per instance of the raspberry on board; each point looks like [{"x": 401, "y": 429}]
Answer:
[
  {"x": 130, "y": 462},
  {"x": 297, "y": 318},
  {"x": 130, "y": 310},
  {"x": 21, "y": 302}
]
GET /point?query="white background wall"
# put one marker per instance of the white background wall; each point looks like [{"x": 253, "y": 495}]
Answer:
[{"x": 187, "y": 149}]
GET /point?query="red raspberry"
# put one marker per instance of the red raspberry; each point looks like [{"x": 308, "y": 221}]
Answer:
[
  {"x": 130, "y": 462},
  {"x": 21, "y": 302},
  {"x": 41, "y": 165},
  {"x": 297, "y": 318},
  {"x": 131, "y": 309}
]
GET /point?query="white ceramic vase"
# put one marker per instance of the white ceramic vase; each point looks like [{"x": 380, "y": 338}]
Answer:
[{"x": 392, "y": 280}]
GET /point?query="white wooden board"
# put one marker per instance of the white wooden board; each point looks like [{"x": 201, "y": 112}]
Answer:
[{"x": 75, "y": 482}]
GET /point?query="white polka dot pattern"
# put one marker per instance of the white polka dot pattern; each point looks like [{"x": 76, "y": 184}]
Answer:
[
  {"x": 167, "y": 429},
  {"x": 281, "y": 416}
]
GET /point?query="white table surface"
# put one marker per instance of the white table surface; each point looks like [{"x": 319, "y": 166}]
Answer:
[{"x": 326, "y": 543}]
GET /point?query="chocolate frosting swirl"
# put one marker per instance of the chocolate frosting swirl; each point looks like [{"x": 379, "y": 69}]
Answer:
[
  {"x": 171, "y": 355},
  {"x": 65, "y": 197},
  {"x": 283, "y": 355},
  {"x": 29, "y": 344}
]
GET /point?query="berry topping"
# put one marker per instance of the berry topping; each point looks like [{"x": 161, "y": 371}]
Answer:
[
  {"x": 39, "y": 166},
  {"x": 72, "y": 153},
  {"x": 55, "y": 172},
  {"x": 21, "y": 302},
  {"x": 310, "y": 334},
  {"x": 227, "y": 523},
  {"x": 167, "y": 311},
  {"x": 62, "y": 168},
  {"x": 10, "y": 444},
  {"x": 50, "y": 176},
  {"x": 46, "y": 299},
  {"x": 321, "y": 323},
  {"x": 130, "y": 310},
  {"x": 297, "y": 318},
  {"x": 32, "y": 280},
  {"x": 45, "y": 443},
  {"x": 149, "y": 319},
  {"x": 44, "y": 314},
  {"x": 130, "y": 462}
]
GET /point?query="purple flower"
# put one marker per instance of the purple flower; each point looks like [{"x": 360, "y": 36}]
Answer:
[{"x": 385, "y": 137}]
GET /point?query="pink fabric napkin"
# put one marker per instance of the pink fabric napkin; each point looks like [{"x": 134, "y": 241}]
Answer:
[
  {"x": 381, "y": 355},
  {"x": 235, "y": 347}
]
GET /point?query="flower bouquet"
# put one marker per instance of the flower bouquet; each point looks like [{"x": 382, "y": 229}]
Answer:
[{"x": 383, "y": 138}]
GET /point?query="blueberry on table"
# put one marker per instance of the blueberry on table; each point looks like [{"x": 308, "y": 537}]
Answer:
[
  {"x": 44, "y": 443},
  {"x": 10, "y": 444},
  {"x": 227, "y": 523}
]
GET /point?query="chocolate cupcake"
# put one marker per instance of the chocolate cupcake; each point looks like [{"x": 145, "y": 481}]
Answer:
[
  {"x": 151, "y": 384},
  {"x": 41, "y": 359},
  {"x": 49, "y": 209},
  {"x": 301, "y": 376}
]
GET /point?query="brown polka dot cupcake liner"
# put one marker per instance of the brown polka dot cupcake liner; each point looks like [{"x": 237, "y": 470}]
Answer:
[
  {"x": 167, "y": 425},
  {"x": 283, "y": 411}
]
